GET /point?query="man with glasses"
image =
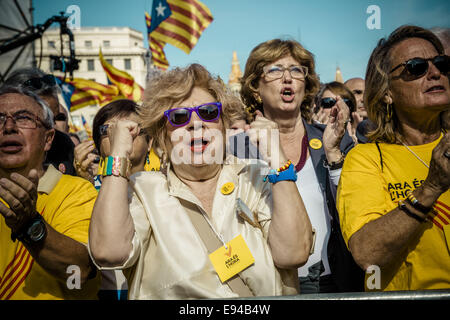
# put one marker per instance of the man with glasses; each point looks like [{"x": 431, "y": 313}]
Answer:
[
  {"x": 61, "y": 154},
  {"x": 45, "y": 215}
]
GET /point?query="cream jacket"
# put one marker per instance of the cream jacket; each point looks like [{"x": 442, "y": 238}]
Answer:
[{"x": 169, "y": 259}]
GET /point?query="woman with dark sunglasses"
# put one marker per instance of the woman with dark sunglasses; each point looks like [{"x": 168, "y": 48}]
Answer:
[
  {"x": 208, "y": 225},
  {"x": 279, "y": 86},
  {"x": 326, "y": 99},
  {"x": 393, "y": 195}
]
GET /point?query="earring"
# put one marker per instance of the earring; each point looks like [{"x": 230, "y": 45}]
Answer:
[
  {"x": 147, "y": 162},
  {"x": 389, "y": 112}
]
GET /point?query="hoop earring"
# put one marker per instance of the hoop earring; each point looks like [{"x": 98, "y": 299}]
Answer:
[{"x": 389, "y": 112}]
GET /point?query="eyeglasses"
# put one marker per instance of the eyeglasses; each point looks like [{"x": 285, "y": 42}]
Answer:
[
  {"x": 276, "y": 72},
  {"x": 38, "y": 83},
  {"x": 328, "y": 103},
  {"x": 206, "y": 112},
  {"x": 103, "y": 130},
  {"x": 21, "y": 120},
  {"x": 61, "y": 117},
  {"x": 417, "y": 67}
]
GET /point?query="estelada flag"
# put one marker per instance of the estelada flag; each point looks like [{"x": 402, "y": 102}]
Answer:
[
  {"x": 179, "y": 22},
  {"x": 129, "y": 88},
  {"x": 88, "y": 92},
  {"x": 156, "y": 47}
]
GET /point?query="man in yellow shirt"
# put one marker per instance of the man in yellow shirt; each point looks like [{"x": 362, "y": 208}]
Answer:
[{"x": 45, "y": 215}]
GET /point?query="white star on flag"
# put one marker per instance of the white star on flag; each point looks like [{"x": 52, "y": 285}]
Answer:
[
  {"x": 160, "y": 9},
  {"x": 66, "y": 88}
]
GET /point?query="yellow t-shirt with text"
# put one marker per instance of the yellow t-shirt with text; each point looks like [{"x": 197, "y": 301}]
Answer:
[{"x": 368, "y": 191}]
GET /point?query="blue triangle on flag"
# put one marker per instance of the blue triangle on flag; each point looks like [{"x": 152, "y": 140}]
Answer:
[
  {"x": 160, "y": 12},
  {"x": 67, "y": 90}
]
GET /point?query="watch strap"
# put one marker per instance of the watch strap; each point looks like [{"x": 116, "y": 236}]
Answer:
[{"x": 24, "y": 234}]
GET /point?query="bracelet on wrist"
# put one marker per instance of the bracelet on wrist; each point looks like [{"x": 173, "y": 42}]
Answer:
[
  {"x": 284, "y": 173},
  {"x": 410, "y": 198},
  {"x": 404, "y": 208},
  {"x": 334, "y": 164},
  {"x": 116, "y": 166}
]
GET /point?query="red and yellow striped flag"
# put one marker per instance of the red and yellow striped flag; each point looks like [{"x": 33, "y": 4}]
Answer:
[
  {"x": 156, "y": 47},
  {"x": 88, "y": 92},
  {"x": 129, "y": 88},
  {"x": 179, "y": 22}
]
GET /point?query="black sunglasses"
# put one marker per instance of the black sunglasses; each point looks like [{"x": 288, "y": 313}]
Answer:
[
  {"x": 60, "y": 117},
  {"x": 328, "y": 103},
  {"x": 38, "y": 83},
  {"x": 418, "y": 67}
]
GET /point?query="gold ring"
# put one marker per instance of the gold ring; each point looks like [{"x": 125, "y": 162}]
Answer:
[{"x": 78, "y": 165}]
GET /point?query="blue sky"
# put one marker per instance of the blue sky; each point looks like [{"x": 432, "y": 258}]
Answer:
[{"x": 334, "y": 31}]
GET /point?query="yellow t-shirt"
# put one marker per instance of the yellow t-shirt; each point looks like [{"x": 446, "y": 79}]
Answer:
[
  {"x": 368, "y": 191},
  {"x": 66, "y": 203}
]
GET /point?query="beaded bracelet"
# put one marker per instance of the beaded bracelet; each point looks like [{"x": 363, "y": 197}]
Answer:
[
  {"x": 285, "y": 167},
  {"x": 284, "y": 173}
]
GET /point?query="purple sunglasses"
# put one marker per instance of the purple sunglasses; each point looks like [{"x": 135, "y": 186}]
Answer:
[{"x": 182, "y": 116}]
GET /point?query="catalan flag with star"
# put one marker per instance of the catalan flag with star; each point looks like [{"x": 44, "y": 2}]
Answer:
[
  {"x": 156, "y": 47},
  {"x": 178, "y": 22},
  {"x": 79, "y": 93}
]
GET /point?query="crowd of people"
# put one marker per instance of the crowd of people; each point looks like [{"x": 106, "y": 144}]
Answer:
[{"x": 293, "y": 187}]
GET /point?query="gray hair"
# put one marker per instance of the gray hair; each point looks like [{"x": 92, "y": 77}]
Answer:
[{"x": 48, "y": 114}]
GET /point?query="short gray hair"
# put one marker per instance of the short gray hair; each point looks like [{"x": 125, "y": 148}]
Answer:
[{"x": 48, "y": 120}]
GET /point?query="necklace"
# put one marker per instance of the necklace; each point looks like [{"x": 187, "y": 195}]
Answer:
[
  {"x": 416, "y": 155},
  {"x": 442, "y": 133}
]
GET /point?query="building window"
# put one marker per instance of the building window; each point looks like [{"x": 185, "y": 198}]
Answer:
[
  {"x": 106, "y": 43},
  {"x": 127, "y": 64},
  {"x": 110, "y": 61},
  {"x": 90, "y": 64},
  {"x": 88, "y": 44},
  {"x": 51, "y": 44}
]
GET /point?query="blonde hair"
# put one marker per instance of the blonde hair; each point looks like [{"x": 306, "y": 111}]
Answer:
[
  {"x": 378, "y": 83},
  {"x": 172, "y": 87},
  {"x": 268, "y": 52}
]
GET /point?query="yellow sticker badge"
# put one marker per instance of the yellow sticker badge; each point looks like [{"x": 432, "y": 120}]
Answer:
[
  {"x": 315, "y": 143},
  {"x": 227, "y": 188},
  {"x": 231, "y": 260}
]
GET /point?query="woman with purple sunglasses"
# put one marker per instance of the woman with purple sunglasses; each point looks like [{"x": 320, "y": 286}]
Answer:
[{"x": 208, "y": 225}]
